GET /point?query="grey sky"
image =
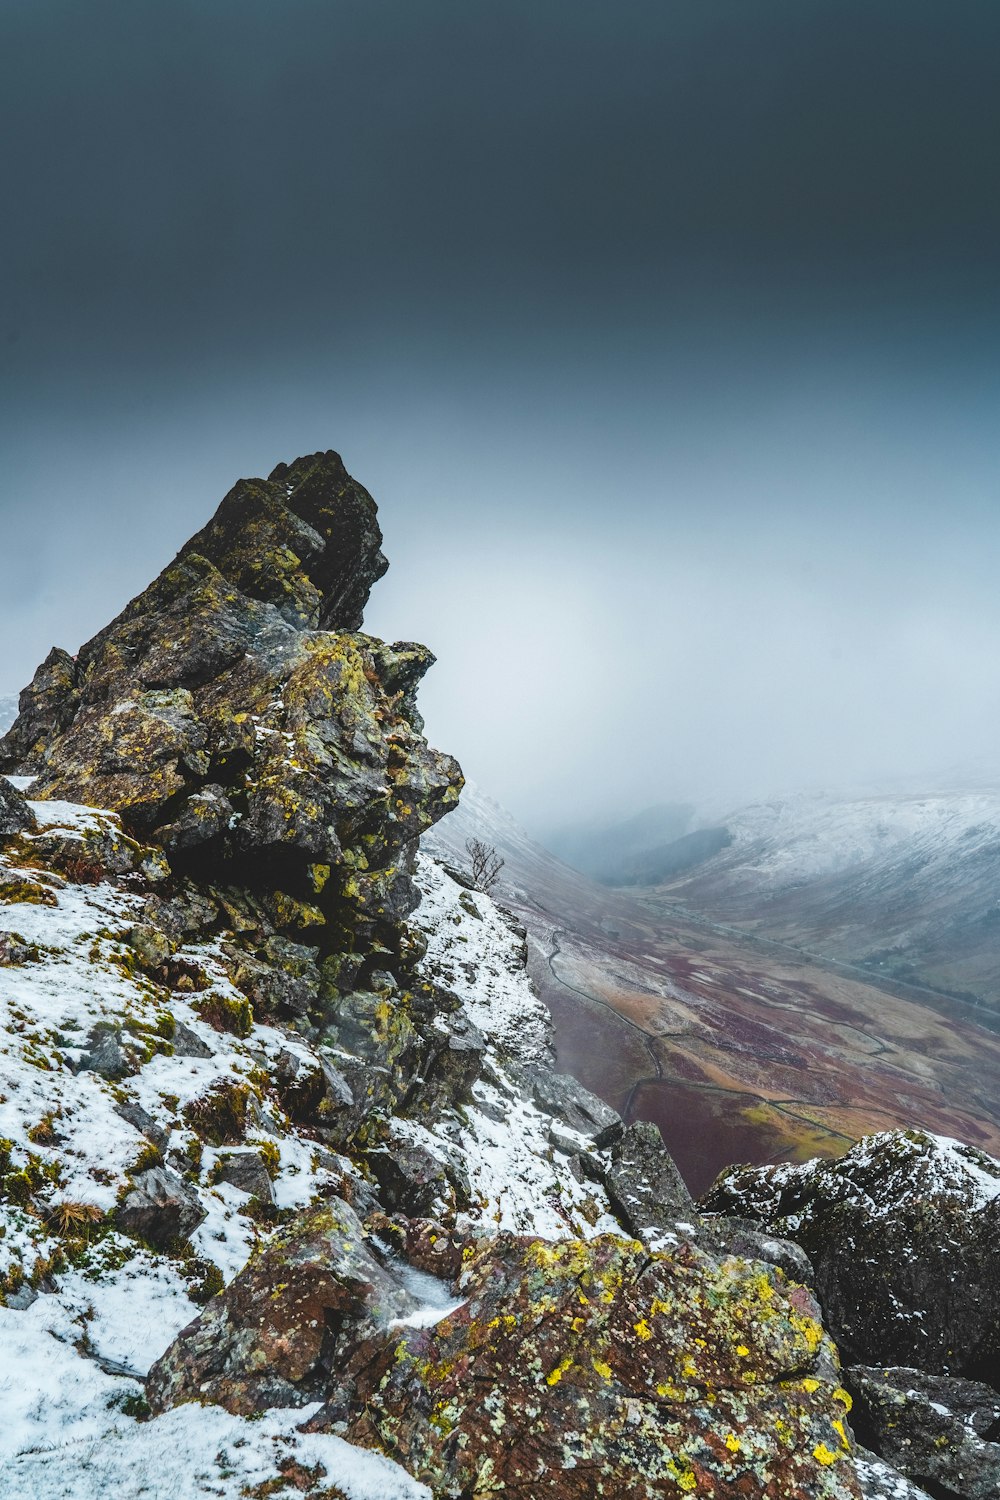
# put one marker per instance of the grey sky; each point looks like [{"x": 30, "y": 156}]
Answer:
[{"x": 665, "y": 334}]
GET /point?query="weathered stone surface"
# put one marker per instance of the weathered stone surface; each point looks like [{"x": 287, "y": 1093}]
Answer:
[
  {"x": 45, "y": 708},
  {"x": 15, "y": 950},
  {"x": 573, "y": 1369},
  {"x": 105, "y": 1054},
  {"x": 580, "y": 1369},
  {"x": 273, "y": 1336},
  {"x": 233, "y": 714},
  {"x": 742, "y": 1237},
  {"x": 880, "y": 1481},
  {"x": 141, "y": 1120},
  {"x": 102, "y": 851},
  {"x": 247, "y": 1170},
  {"x": 562, "y": 1097},
  {"x": 646, "y": 1190},
  {"x": 940, "y": 1431},
  {"x": 317, "y": 1094},
  {"x": 187, "y": 1042},
  {"x": 15, "y": 814},
  {"x": 904, "y": 1235},
  {"x": 160, "y": 1209},
  {"x": 280, "y": 978},
  {"x": 456, "y": 1050},
  {"x": 414, "y": 1181}
]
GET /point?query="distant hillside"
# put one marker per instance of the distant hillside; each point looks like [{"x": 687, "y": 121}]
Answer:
[
  {"x": 612, "y": 852},
  {"x": 654, "y": 866},
  {"x": 8, "y": 711},
  {"x": 738, "y": 1048},
  {"x": 904, "y": 885}
]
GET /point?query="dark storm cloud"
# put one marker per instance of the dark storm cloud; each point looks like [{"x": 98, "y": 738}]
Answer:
[
  {"x": 668, "y": 329},
  {"x": 181, "y": 173}
]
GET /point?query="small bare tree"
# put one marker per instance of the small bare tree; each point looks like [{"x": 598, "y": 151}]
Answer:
[{"x": 486, "y": 864}]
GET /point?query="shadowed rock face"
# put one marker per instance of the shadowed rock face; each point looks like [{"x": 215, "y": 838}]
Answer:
[
  {"x": 904, "y": 1235},
  {"x": 15, "y": 814},
  {"x": 233, "y": 714}
]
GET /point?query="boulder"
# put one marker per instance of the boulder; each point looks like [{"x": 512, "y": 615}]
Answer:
[
  {"x": 416, "y": 1181},
  {"x": 937, "y": 1430},
  {"x": 160, "y": 1208},
  {"x": 187, "y": 1042},
  {"x": 105, "y": 1054},
  {"x": 140, "y": 1119},
  {"x": 272, "y": 1337},
  {"x": 569, "y": 1369},
  {"x": 16, "y": 950},
  {"x": 903, "y": 1233},
  {"x": 247, "y": 1170},
  {"x": 457, "y": 1049},
  {"x": 646, "y": 1190},
  {"x": 315, "y": 1093},
  {"x": 578, "y": 1369},
  {"x": 15, "y": 814}
]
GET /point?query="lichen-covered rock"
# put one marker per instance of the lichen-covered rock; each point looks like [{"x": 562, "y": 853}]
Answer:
[
  {"x": 572, "y": 1369},
  {"x": 15, "y": 814},
  {"x": 941, "y": 1432},
  {"x": 581, "y": 1369},
  {"x": 233, "y": 714},
  {"x": 160, "y": 1208},
  {"x": 904, "y": 1235},
  {"x": 273, "y": 1336},
  {"x": 45, "y": 707}
]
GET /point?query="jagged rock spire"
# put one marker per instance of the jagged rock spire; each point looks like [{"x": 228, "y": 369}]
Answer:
[{"x": 233, "y": 713}]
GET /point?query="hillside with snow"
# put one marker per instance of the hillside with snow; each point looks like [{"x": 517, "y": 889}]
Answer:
[
  {"x": 903, "y": 885},
  {"x": 107, "y": 1076}
]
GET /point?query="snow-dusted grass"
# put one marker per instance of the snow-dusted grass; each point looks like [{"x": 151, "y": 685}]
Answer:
[{"x": 67, "y": 1433}]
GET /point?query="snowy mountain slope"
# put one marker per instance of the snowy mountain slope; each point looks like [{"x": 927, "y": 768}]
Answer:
[
  {"x": 906, "y": 885},
  {"x": 88, "y": 1307}
]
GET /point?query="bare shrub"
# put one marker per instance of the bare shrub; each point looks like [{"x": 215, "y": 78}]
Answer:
[{"x": 486, "y": 864}]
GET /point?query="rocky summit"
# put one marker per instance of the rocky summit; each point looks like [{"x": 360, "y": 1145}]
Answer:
[
  {"x": 291, "y": 1198},
  {"x": 234, "y": 714}
]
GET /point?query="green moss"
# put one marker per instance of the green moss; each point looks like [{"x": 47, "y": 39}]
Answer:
[
  {"x": 224, "y": 1014},
  {"x": 220, "y": 1115}
]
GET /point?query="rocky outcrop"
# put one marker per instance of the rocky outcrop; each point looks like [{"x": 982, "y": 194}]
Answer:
[
  {"x": 15, "y": 814},
  {"x": 234, "y": 716},
  {"x": 467, "y": 1261},
  {"x": 941, "y": 1432},
  {"x": 573, "y": 1368},
  {"x": 904, "y": 1236}
]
